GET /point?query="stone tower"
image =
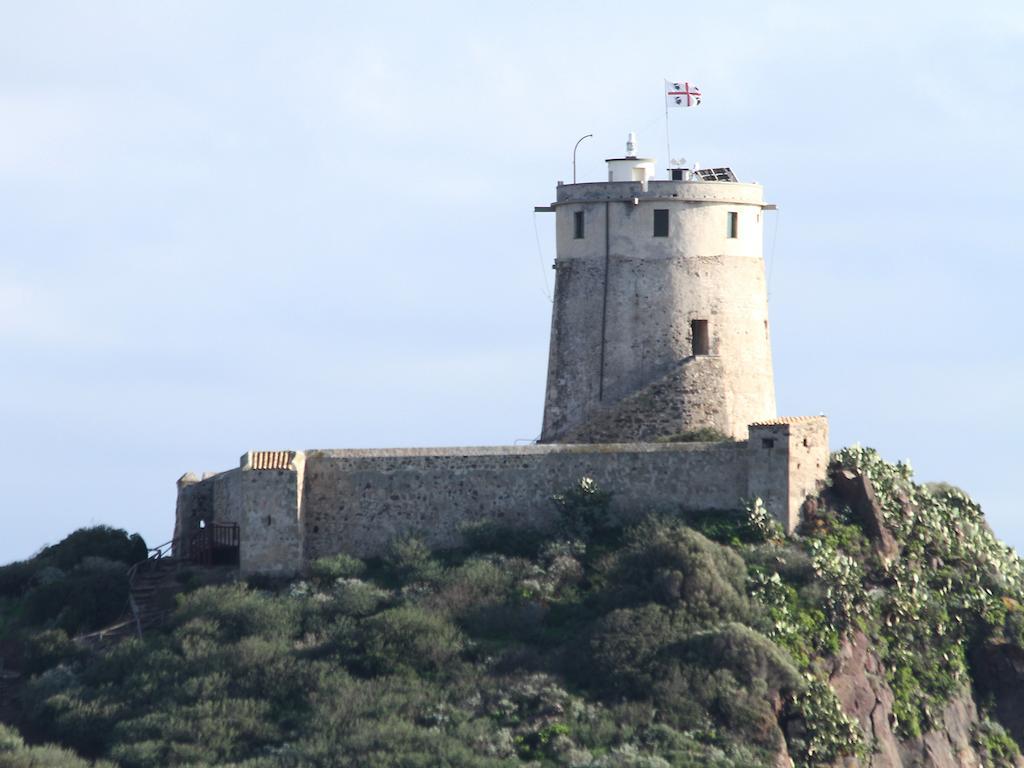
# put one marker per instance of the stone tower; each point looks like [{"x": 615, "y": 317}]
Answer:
[{"x": 660, "y": 319}]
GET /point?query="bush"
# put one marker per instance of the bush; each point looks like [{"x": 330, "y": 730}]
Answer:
[
  {"x": 409, "y": 560},
  {"x": 16, "y": 577},
  {"x": 829, "y": 733},
  {"x": 99, "y": 541},
  {"x": 238, "y": 611},
  {"x": 340, "y": 566},
  {"x": 679, "y": 568},
  {"x": 353, "y": 597},
  {"x": 584, "y": 508},
  {"x": 511, "y": 540},
  {"x": 996, "y": 744},
  {"x": 624, "y": 646},
  {"x": 48, "y": 649},
  {"x": 103, "y": 542},
  {"x": 480, "y": 582},
  {"x": 750, "y": 656},
  {"x": 14, "y": 753},
  {"x": 407, "y": 639},
  {"x": 90, "y": 596}
]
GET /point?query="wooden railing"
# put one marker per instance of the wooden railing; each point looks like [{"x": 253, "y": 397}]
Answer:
[
  {"x": 214, "y": 544},
  {"x": 207, "y": 543}
]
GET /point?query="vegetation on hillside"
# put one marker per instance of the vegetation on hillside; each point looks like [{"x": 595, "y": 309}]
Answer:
[
  {"x": 679, "y": 641},
  {"x": 75, "y": 586}
]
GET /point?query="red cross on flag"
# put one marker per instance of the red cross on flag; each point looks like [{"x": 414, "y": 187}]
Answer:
[{"x": 682, "y": 94}]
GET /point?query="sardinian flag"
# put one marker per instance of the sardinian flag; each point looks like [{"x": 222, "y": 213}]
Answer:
[{"x": 682, "y": 94}]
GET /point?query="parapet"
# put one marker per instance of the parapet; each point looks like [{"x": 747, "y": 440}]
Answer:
[{"x": 734, "y": 192}]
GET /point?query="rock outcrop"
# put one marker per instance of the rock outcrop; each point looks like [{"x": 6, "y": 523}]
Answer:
[
  {"x": 856, "y": 491},
  {"x": 858, "y": 678}
]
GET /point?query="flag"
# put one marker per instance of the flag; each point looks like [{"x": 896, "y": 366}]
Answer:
[{"x": 682, "y": 94}]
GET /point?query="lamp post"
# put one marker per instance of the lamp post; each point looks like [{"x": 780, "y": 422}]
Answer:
[{"x": 574, "y": 156}]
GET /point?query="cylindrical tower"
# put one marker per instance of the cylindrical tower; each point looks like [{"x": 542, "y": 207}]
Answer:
[{"x": 660, "y": 320}]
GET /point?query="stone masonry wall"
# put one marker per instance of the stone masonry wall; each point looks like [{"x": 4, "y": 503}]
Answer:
[
  {"x": 678, "y": 402},
  {"x": 270, "y": 516},
  {"x": 788, "y": 462},
  {"x": 293, "y": 507},
  {"x": 358, "y": 501}
]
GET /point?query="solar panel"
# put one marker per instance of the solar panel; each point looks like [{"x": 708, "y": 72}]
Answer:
[{"x": 715, "y": 174}]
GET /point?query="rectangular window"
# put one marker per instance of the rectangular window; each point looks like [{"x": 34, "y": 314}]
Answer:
[
  {"x": 701, "y": 341},
  {"x": 677, "y": 174},
  {"x": 661, "y": 222},
  {"x": 577, "y": 225},
  {"x": 767, "y": 442},
  {"x": 733, "y": 228}
]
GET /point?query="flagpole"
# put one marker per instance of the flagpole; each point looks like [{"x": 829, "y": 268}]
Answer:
[{"x": 668, "y": 143}]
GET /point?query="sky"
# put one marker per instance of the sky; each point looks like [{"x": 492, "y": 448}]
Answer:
[{"x": 232, "y": 226}]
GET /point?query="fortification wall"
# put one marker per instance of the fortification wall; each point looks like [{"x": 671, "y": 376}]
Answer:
[
  {"x": 293, "y": 507},
  {"x": 359, "y": 501}
]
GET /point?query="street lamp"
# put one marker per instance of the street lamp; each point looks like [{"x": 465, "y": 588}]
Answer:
[{"x": 574, "y": 156}]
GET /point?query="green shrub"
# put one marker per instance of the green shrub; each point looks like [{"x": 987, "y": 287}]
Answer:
[
  {"x": 238, "y": 611},
  {"x": 14, "y": 753},
  {"x": 99, "y": 541},
  {"x": 48, "y": 649},
  {"x": 666, "y": 561},
  {"x": 624, "y": 646},
  {"x": 724, "y": 526},
  {"x": 353, "y": 597},
  {"x": 748, "y": 655},
  {"x": 760, "y": 524},
  {"x": 479, "y": 582},
  {"x": 829, "y": 733},
  {"x": 996, "y": 745},
  {"x": 408, "y": 638},
  {"x": 409, "y": 560},
  {"x": 16, "y": 578},
  {"x": 340, "y": 566},
  {"x": 583, "y": 508},
  {"x": 511, "y": 540},
  {"x": 93, "y": 594}
]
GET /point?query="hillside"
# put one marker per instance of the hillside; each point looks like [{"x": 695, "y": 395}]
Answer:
[{"x": 888, "y": 632}]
